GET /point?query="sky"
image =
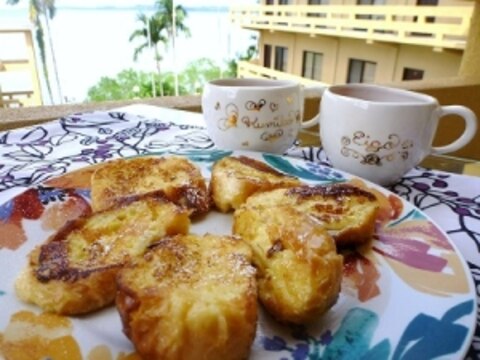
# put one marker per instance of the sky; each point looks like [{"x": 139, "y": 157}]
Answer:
[
  {"x": 123, "y": 3},
  {"x": 73, "y": 51}
]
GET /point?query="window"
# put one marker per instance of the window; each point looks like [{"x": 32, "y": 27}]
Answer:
[
  {"x": 284, "y": 2},
  {"x": 412, "y": 74},
  {"x": 312, "y": 65},
  {"x": 267, "y": 56},
  {"x": 269, "y": 2},
  {"x": 317, "y": 2},
  {"x": 428, "y": 19},
  {"x": 361, "y": 71},
  {"x": 281, "y": 55},
  {"x": 364, "y": 2},
  {"x": 370, "y": 2}
]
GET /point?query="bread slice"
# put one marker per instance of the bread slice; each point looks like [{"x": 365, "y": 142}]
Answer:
[
  {"x": 299, "y": 271},
  {"x": 234, "y": 179},
  {"x": 190, "y": 297},
  {"x": 177, "y": 177},
  {"x": 346, "y": 211},
  {"x": 74, "y": 271}
]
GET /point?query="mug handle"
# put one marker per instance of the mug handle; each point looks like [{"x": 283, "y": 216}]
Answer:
[
  {"x": 311, "y": 91},
  {"x": 470, "y": 128}
]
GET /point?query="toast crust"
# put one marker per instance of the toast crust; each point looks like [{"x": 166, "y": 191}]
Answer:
[
  {"x": 234, "y": 179},
  {"x": 299, "y": 271},
  {"x": 178, "y": 178},
  {"x": 74, "y": 271},
  {"x": 346, "y": 211},
  {"x": 190, "y": 297}
]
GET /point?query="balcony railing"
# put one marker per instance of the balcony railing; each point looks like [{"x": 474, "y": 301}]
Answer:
[
  {"x": 19, "y": 81},
  {"x": 248, "y": 69},
  {"x": 436, "y": 26}
]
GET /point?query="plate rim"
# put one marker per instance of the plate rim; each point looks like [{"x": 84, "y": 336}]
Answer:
[{"x": 260, "y": 156}]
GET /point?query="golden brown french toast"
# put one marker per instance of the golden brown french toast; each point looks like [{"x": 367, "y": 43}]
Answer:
[
  {"x": 346, "y": 211},
  {"x": 190, "y": 297},
  {"x": 234, "y": 179},
  {"x": 74, "y": 271},
  {"x": 299, "y": 272},
  {"x": 177, "y": 177}
]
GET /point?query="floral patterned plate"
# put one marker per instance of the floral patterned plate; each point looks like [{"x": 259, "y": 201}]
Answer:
[{"x": 406, "y": 295}]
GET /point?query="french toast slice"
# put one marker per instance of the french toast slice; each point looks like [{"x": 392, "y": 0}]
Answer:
[
  {"x": 176, "y": 176},
  {"x": 346, "y": 211},
  {"x": 299, "y": 272},
  {"x": 74, "y": 271},
  {"x": 234, "y": 179},
  {"x": 190, "y": 297}
]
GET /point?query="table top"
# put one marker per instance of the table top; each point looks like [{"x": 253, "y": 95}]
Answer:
[{"x": 34, "y": 154}]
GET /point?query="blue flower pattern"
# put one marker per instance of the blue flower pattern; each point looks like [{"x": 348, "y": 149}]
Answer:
[
  {"x": 6, "y": 210},
  {"x": 425, "y": 337},
  {"x": 304, "y": 171}
]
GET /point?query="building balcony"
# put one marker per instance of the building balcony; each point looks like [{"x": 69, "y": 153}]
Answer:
[
  {"x": 440, "y": 27},
  {"x": 19, "y": 80},
  {"x": 251, "y": 69}
]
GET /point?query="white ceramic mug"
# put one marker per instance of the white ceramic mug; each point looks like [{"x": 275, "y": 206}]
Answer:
[
  {"x": 254, "y": 114},
  {"x": 380, "y": 133}
]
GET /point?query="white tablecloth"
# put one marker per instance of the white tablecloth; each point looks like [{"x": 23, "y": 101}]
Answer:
[{"x": 31, "y": 155}]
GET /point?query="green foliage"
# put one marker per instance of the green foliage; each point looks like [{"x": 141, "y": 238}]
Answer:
[
  {"x": 197, "y": 73},
  {"x": 128, "y": 84},
  {"x": 131, "y": 84},
  {"x": 191, "y": 80},
  {"x": 151, "y": 27},
  {"x": 232, "y": 64},
  {"x": 164, "y": 11},
  {"x": 159, "y": 28},
  {"x": 169, "y": 85}
]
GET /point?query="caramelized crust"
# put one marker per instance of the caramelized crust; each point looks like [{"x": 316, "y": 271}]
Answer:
[
  {"x": 178, "y": 178},
  {"x": 190, "y": 297},
  {"x": 298, "y": 269},
  {"x": 346, "y": 211},
  {"x": 74, "y": 271},
  {"x": 234, "y": 179}
]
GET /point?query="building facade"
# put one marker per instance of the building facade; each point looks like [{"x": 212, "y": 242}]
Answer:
[{"x": 343, "y": 41}]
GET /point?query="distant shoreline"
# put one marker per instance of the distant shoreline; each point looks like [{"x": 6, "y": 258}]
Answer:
[{"x": 143, "y": 8}]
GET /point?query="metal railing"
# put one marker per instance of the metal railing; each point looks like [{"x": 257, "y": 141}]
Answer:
[{"x": 435, "y": 26}]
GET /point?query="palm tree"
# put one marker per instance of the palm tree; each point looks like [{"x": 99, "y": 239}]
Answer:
[
  {"x": 37, "y": 9},
  {"x": 173, "y": 19},
  {"x": 152, "y": 32}
]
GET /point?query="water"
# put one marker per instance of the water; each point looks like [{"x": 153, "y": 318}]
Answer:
[{"x": 91, "y": 43}]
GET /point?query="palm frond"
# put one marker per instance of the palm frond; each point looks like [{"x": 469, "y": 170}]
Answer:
[
  {"x": 164, "y": 12},
  {"x": 50, "y": 8},
  {"x": 139, "y": 50},
  {"x": 139, "y": 33},
  {"x": 36, "y": 5},
  {"x": 142, "y": 18}
]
